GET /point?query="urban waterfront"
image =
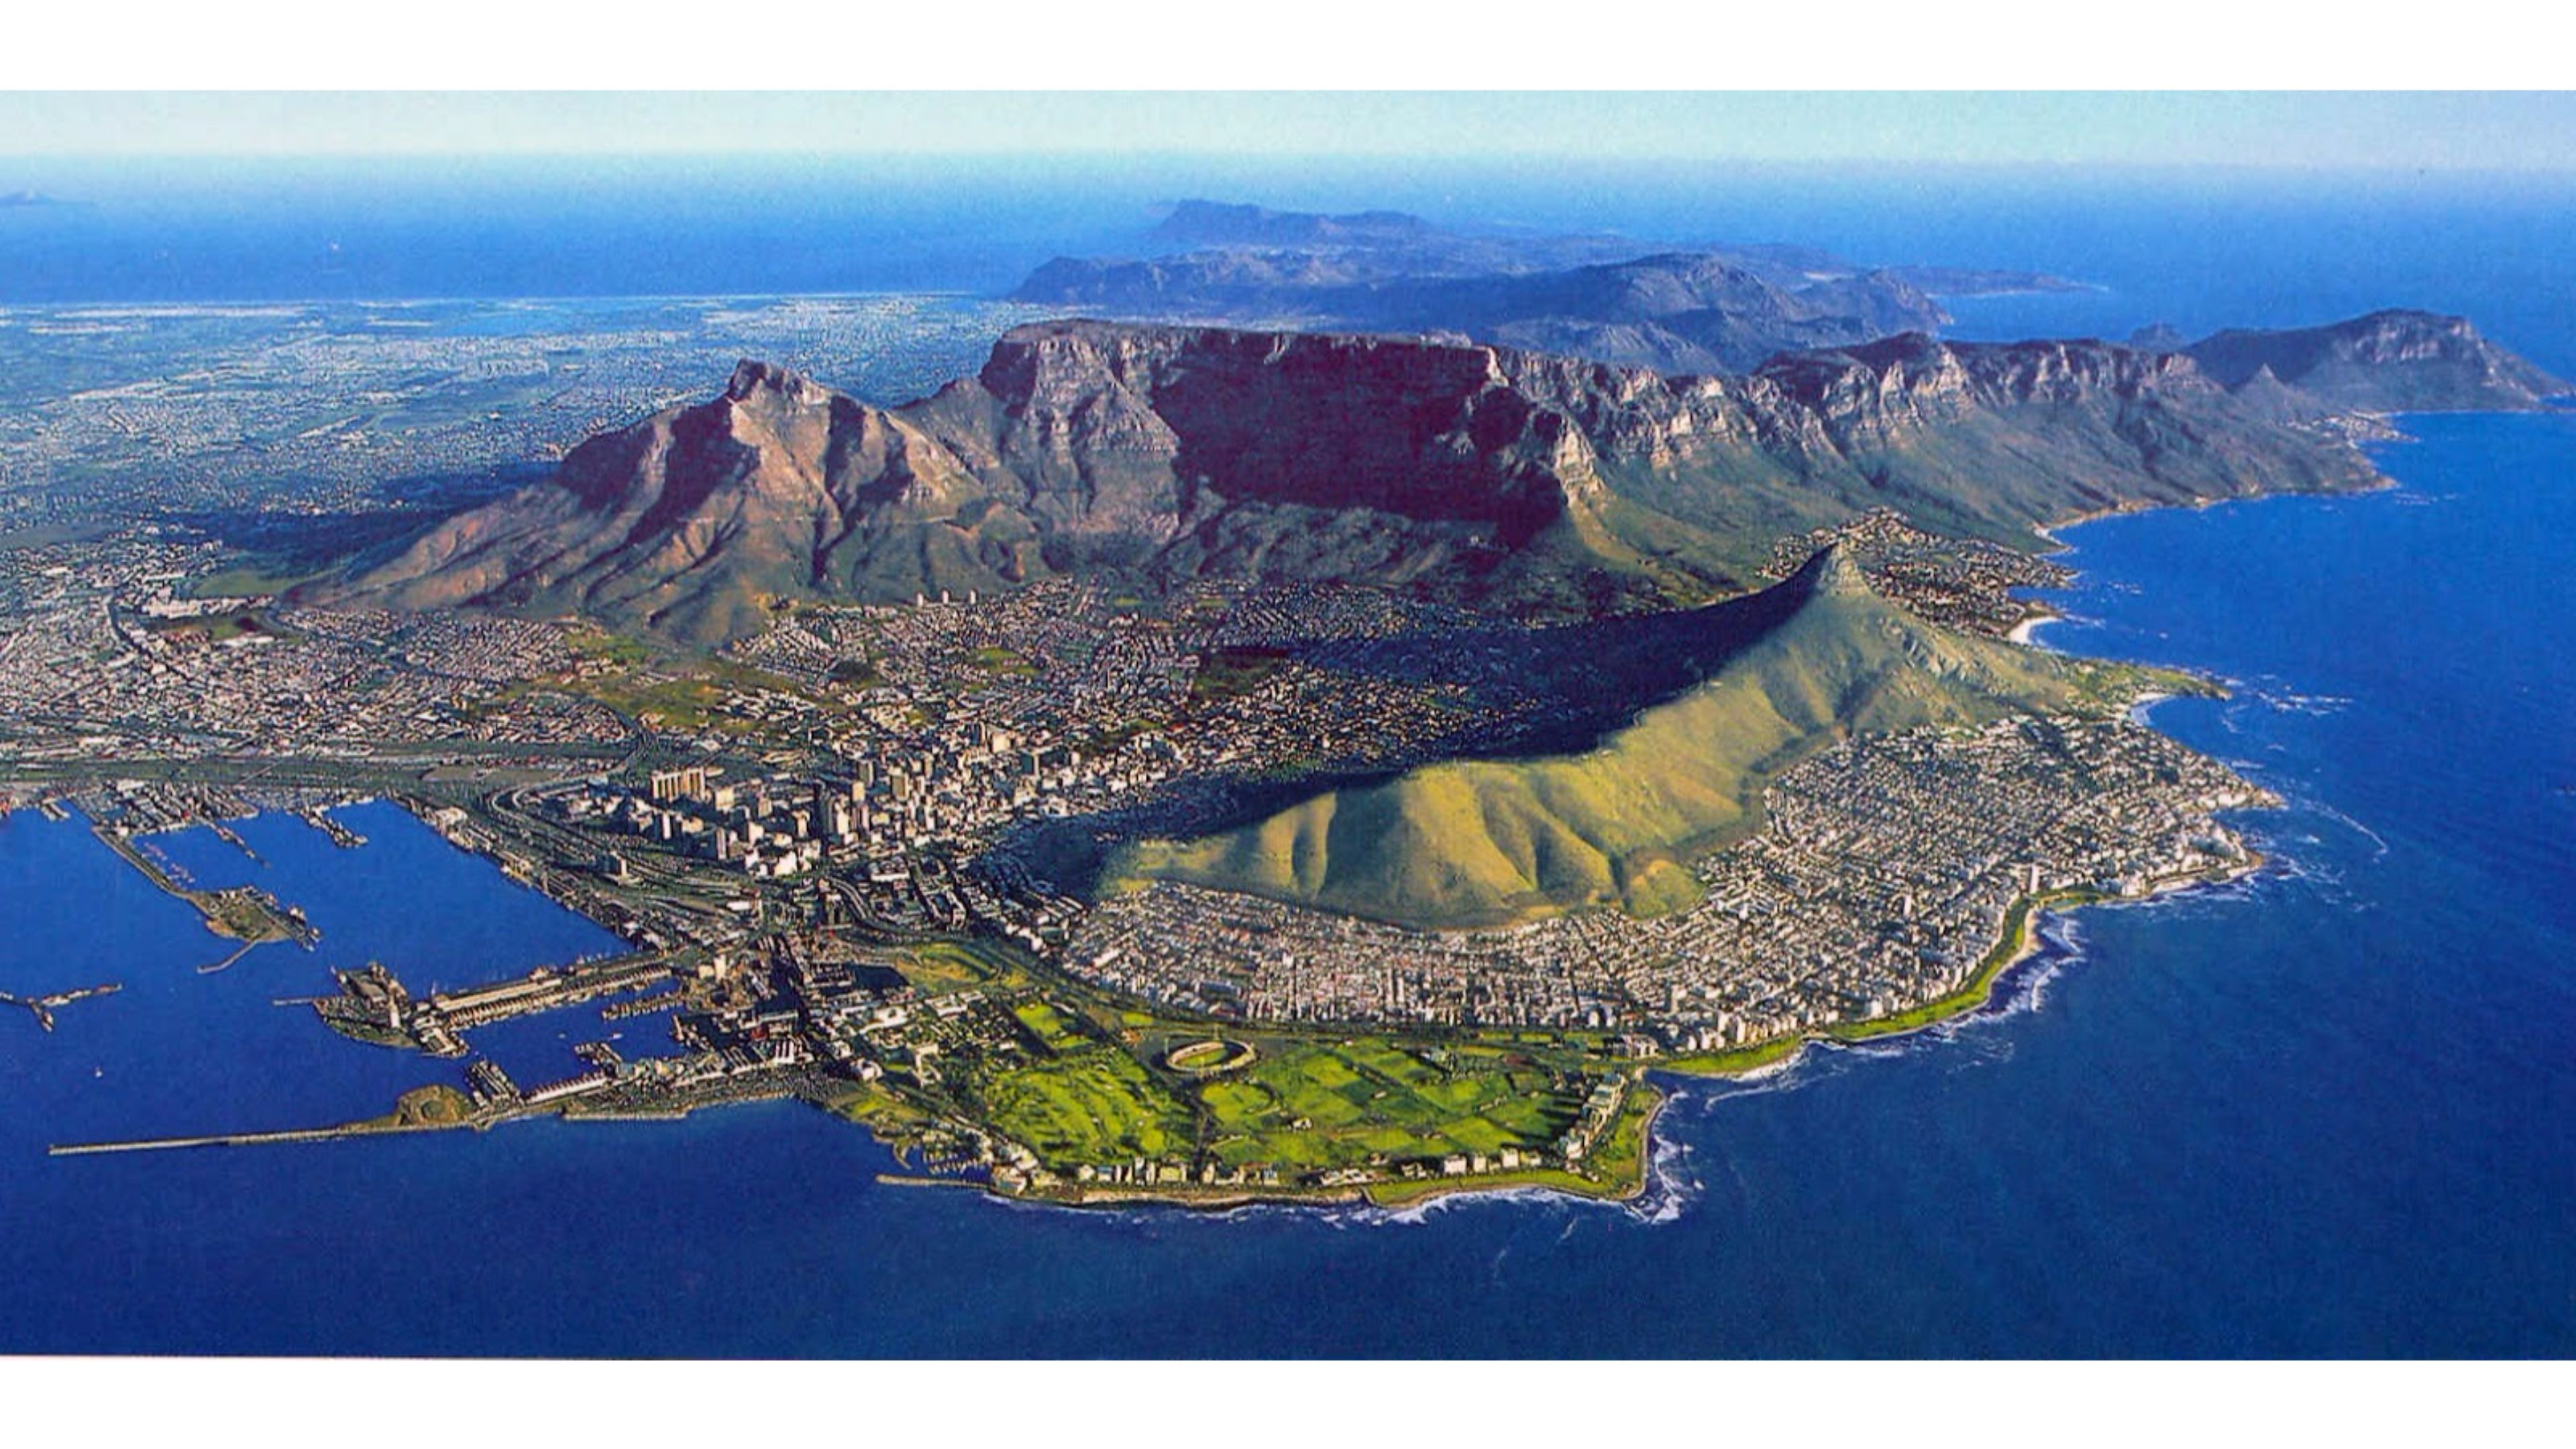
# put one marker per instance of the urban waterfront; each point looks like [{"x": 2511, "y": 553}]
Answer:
[{"x": 2311, "y": 1113}]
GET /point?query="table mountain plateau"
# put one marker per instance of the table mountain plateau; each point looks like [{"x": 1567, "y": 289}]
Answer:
[{"x": 1484, "y": 475}]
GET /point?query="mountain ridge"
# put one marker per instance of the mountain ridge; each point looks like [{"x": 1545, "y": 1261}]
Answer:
[
  {"x": 1468, "y": 472},
  {"x": 1671, "y": 307},
  {"x": 2392, "y": 360}
]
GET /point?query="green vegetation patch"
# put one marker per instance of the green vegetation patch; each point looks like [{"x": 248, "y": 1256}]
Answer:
[
  {"x": 1096, "y": 1106},
  {"x": 1738, "y": 1060},
  {"x": 592, "y": 642},
  {"x": 1233, "y": 672},
  {"x": 1308, "y": 1105},
  {"x": 1049, "y": 1026},
  {"x": 939, "y": 967},
  {"x": 689, "y": 700},
  {"x": 246, "y": 579},
  {"x": 436, "y": 1105},
  {"x": 880, "y": 1111}
]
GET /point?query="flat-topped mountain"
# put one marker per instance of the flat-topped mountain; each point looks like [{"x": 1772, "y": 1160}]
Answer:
[
  {"x": 1463, "y": 472},
  {"x": 2389, "y": 361},
  {"x": 1610, "y": 298},
  {"x": 1487, "y": 842}
]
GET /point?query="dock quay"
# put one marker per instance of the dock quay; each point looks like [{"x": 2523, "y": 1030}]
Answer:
[
  {"x": 643, "y": 1006},
  {"x": 372, "y": 1004},
  {"x": 232, "y": 837},
  {"x": 245, "y": 913},
  {"x": 545, "y": 989},
  {"x": 629, "y": 1114},
  {"x": 491, "y": 1084},
  {"x": 341, "y": 835}
]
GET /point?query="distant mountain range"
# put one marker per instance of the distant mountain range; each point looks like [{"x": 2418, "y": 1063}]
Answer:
[
  {"x": 1486, "y": 842},
  {"x": 1466, "y": 472},
  {"x": 1615, "y": 299}
]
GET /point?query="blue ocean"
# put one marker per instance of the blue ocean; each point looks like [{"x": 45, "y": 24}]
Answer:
[{"x": 2320, "y": 1112}]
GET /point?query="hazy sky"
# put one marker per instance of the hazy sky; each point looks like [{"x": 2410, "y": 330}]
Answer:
[{"x": 2403, "y": 131}]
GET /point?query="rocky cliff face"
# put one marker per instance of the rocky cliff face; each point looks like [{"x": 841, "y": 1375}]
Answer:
[
  {"x": 2391, "y": 361},
  {"x": 1468, "y": 472}
]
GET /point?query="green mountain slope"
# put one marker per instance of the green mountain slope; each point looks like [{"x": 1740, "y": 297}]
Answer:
[{"x": 1484, "y": 842}]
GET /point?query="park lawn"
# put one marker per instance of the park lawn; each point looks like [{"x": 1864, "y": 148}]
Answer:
[
  {"x": 1325, "y": 1069},
  {"x": 1370, "y": 1098},
  {"x": 938, "y": 967},
  {"x": 1736, "y": 1060},
  {"x": 1231, "y": 673},
  {"x": 683, "y": 698},
  {"x": 681, "y": 703},
  {"x": 1395, "y": 1065},
  {"x": 1237, "y": 1105},
  {"x": 1096, "y": 1106},
  {"x": 877, "y": 1108},
  {"x": 1389, "y": 1140},
  {"x": 1475, "y": 1134},
  {"x": 592, "y": 642},
  {"x": 1532, "y": 1120},
  {"x": 1458, "y": 1094},
  {"x": 252, "y": 578},
  {"x": 1048, "y": 1026}
]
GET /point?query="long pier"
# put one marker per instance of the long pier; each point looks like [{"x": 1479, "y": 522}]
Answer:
[
  {"x": 244, "y": 949},
  {"x": 249, "y": 1139}
]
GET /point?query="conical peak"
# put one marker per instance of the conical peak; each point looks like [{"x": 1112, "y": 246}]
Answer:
[{"x": 1832, "y": 572}]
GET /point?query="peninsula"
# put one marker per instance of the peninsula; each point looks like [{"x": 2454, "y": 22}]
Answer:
[{"x": 1210, "y": 765}]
